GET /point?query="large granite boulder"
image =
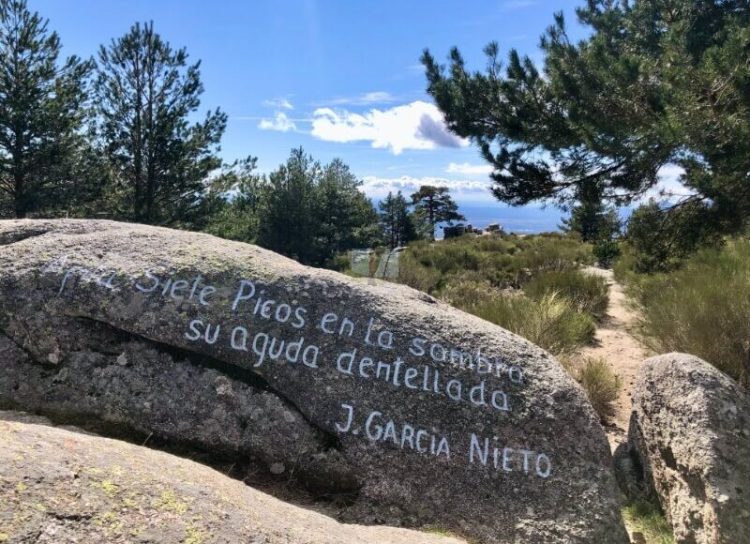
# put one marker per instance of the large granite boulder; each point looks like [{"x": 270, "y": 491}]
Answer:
[
  {"x": 62, "y": 487},
  {"x": 420, "y": 415},
  {"x": 690, "y": 435}
]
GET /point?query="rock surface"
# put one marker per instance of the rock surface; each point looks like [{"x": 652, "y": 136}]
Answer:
[
  {"x": 61, "y": 487},
  {"x": 690, "y": 433},
  {"x": 422, "y": 415}
]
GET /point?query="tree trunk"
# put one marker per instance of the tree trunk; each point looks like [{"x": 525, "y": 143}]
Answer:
[
  {"x": 19, "y": 186},
  {"x": 20, "y": 211},
  {"x": 18, "y": 195},
  {"x": 431, "y": 208},
  {"x": 138, "y": 196},
  {"x": 149, "y": 75},
  {"x": 138, "y": 140}
]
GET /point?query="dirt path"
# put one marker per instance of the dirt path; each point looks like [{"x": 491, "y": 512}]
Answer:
[{"x": 620, "y": 349}]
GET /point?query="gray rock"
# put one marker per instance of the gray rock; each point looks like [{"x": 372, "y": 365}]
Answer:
[
  {"x": 424, "y": 415},
  {"x": 690, "y": 431},
  {"x": 630, "y": 476},
  {"x": 63, "y": 487},
  {"x": 180, "y": 401}
]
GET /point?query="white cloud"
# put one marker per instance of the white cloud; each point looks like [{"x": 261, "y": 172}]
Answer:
[
  {"x": 366, "y": 99},
  {"x": 278, "y": 103},
  {"x": 668, "y": 188},
  {"x": 280, "y": 123},
  {"x": 511, "y": 5},
  {"x": 418, "y": 125},
  {"x": 377, "y": 187},
  {"x": 467, "y": 169}
]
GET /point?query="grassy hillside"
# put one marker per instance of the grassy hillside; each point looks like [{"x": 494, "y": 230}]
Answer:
[
  {"x": 531, "y": 285},
  {"x": 702, "y": 308}
]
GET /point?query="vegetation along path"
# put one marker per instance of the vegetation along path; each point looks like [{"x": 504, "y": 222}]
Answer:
[{"x": 622, "y": 351}]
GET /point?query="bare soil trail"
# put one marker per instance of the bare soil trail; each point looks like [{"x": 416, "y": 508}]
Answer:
[{"x": 622, "y": 351}]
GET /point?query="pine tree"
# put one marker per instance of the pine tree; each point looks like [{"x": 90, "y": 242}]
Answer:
[
  {"x": 593, "y": 221},
  {"x": 434, "y": 205},
  {"x": 232, "y": 204},
  {"x": 396, "y": 221},
  {"x": 312, "y": 213},
  {"x": 287, "y": 214},
  {"x": 655, "y": 82},
  {"x": 591, "y": 218},
  {"x": 345, "y": 218},
  {"x": 42, "y": 110},
  {"x": 145, "y": 93}
]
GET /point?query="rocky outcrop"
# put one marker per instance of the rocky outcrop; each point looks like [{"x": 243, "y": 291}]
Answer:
[
  {"x": 62, "y": 487},
  {"x": 690, "y": 436},
  {"x": 419, "y": 414},
  {"x": 139, "y": 389}
]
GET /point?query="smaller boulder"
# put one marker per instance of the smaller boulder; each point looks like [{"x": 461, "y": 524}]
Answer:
[
  {"x": 690, "y": 435},
  {"x": 59, "y": 486}
]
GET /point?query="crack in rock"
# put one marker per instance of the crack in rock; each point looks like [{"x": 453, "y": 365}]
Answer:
[
  {"x": 243, "y": 375},
  {"x": 117, "y": 383},
  {"x": 15, "y": 236}
]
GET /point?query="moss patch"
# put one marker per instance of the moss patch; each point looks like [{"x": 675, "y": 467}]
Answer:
[{"x": 646, "y": 518}]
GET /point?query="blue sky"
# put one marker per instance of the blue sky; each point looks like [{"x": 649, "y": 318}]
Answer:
[{"x": 340, "y": 78}]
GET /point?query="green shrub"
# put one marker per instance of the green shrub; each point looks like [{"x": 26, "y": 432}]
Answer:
[
  {"x": 553, "y": 252},
  {"x": 624, "y": 269},
  {"x": 606, "y": 251},
  {"x": 501, "y": 261},
  {"x": 447, "y": 256},
  {"x": 474, "y": 273},
  {"x": 412, "y": 273},
  {"x": 551, "y": 322},
  {"x": 702, "y": 309},
  {"x": 587, "y": 292},
  {"x": 340, "y": 263},
  {"x": 624, "y": 265},
  {"x": 647, "y": 519},
  {"x": 495, "y": 244},
  {"x": 468, "y": 293},
  {"x": 662, "y": 238},
  {"x": 602, "y": 385}
]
